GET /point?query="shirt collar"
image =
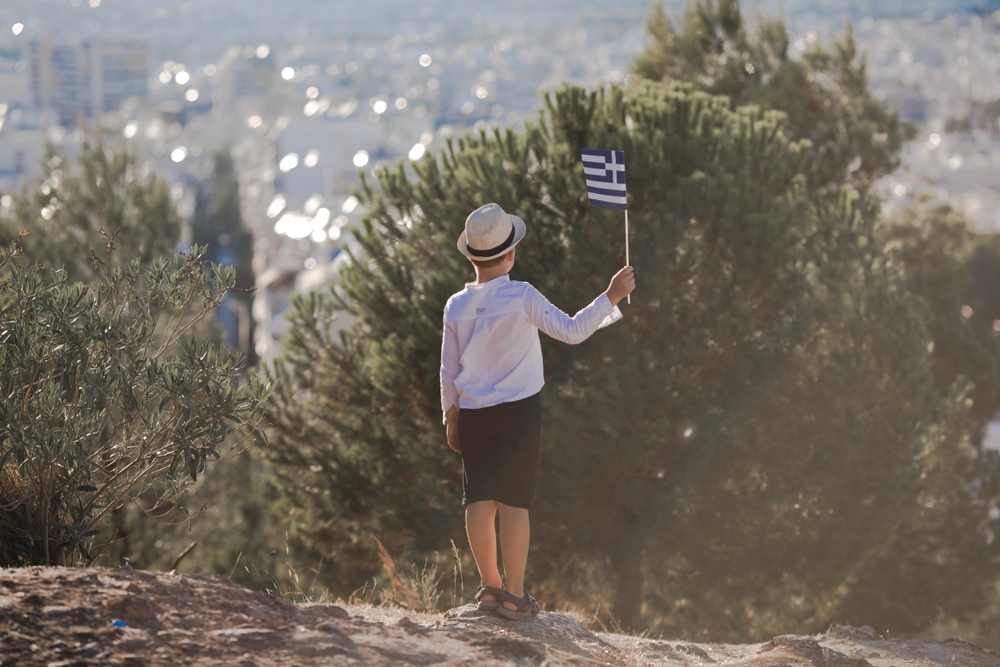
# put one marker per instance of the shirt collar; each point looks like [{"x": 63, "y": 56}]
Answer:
[{"x": 505, "y": 278}]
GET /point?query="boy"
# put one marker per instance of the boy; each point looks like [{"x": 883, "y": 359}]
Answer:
[{"x": 491, "y": 375}]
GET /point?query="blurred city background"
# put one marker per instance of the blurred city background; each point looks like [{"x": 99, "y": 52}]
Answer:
[{"x": 305, "y": 94}]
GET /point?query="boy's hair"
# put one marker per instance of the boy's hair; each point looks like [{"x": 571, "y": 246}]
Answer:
[{"x": 488, "y": 263}]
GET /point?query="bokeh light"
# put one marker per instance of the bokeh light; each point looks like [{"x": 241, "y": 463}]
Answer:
[
  {"x": 289, "y": 162},
  {"x": 417, "y": 152},
  {"x": 276, "y": 206}
]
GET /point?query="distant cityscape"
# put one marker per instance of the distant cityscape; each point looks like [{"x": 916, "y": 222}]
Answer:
[{"x": 306, "y": 98}]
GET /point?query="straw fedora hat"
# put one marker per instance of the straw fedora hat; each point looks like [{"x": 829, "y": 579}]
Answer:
[{"x": 489, "y": 233}]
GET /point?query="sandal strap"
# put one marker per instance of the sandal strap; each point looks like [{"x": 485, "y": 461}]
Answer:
[
  {"x": 524, "y": 604},
  {"x": 488, "y": 590}
]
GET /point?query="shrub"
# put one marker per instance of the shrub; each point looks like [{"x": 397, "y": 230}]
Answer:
[{"x": 105, "y": 397}]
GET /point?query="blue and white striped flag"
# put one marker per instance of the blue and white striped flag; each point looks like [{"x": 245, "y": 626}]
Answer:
[{"x": 604, "y": 172}]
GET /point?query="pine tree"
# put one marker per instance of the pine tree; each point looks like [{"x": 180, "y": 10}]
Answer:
[
  {"x": 837, "y": 472},
  {"x": 218, "y": 226},
  {"x": 951, "y": 535},
  {"x": 824, "y": 93},
  {"x": 765, "y": 424}
]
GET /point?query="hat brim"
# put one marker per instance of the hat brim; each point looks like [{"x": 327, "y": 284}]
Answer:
[{"x": 520, "y": 229}]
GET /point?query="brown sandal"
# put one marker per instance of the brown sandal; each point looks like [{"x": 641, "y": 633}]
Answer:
[
  {"x": 527, "y": 607},
  {"x": 488, "y": 605}
]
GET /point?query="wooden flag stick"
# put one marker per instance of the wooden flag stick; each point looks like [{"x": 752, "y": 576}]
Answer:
[{"x": 628, "y": 298}]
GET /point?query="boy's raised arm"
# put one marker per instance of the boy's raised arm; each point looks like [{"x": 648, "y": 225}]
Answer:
[{"x": 602, "y": 311}]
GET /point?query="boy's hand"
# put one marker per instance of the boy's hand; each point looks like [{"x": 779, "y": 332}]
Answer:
[
  {"x": 451, "y": 419},
  {"x": 621, "y": 285}
]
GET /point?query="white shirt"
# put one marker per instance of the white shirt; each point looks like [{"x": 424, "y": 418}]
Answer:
[{"x": 491, "y": 353}]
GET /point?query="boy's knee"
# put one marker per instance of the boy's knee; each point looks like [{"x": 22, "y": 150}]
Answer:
[
  {"x": 482, "y": 505},
  {"x": 511, "y": 510}
]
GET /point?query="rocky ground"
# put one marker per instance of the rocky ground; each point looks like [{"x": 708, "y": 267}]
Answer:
[{"x": 60, "y": 617}]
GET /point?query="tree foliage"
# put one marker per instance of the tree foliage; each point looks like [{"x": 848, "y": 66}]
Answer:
[
  {"x": 949, "y": 267},
  {"x": 824, "y": 92},
  {"x": 102, "y": 400},
  {"x": 766, "y": 439},
  {"x": 78, "y": 202},
  {"x": 218, "y": 226}
]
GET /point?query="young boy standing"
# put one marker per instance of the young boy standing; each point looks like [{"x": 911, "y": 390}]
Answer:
[{"x": 491, "y": 376}]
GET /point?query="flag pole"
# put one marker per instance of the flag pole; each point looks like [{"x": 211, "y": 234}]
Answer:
[{"x": 628, "y": 298}]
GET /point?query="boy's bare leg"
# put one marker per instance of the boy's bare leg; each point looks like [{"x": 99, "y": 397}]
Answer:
[
  {"x": 515, "y": 534},
  {"x": 480, "y": 524}
]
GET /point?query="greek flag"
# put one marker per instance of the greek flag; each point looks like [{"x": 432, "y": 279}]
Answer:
[{"x": 604, "y": 172}]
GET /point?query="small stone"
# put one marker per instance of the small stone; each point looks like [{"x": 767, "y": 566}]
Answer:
[
  {"x": 86, "y": 652},
  {"x": 56, "y": 610},
  {"x": 337, "y": 612},
  {"x": 863, "y": 633},
  {"x": 331, "y": 627},
  {"x": 466, "y": 611},
  {"x": 245, "y": 635},
  {"x": 241, "y": 632},
  {"x": 257, "y": 612},
  {"x": 811, "y": 650},
  {"x": 508, "y": 648},
  {"x": 410, "y": 626},
  {"x": 695, "y": 650}
]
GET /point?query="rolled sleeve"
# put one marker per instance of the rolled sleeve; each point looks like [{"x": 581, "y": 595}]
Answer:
[{"x": 573, "y": 330}]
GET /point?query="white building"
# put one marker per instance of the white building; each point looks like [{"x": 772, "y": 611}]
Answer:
[{"x": 88, "y": 77}]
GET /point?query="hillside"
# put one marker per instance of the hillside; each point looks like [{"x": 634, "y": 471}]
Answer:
[{"x": 61, "y": 617}]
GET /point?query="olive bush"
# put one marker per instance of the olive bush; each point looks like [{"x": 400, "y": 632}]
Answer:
[{"x": 106, "y": 396}]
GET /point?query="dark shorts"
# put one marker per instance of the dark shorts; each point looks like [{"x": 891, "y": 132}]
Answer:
[{"x": 501, "y": 450}]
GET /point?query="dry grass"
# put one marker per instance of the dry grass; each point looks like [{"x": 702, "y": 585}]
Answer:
[
  {"x": 634, "y": 656},
  {"x": 13, "y": 487},
  {"x": 13, "y": 490},
  {"x": 402, "y": 589}
]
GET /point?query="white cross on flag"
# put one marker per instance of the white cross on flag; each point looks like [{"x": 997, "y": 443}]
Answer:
[{"x": 604, "y": 172}]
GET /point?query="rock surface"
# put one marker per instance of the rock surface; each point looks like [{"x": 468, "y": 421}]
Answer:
[{"x": 60, "y": 617}]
